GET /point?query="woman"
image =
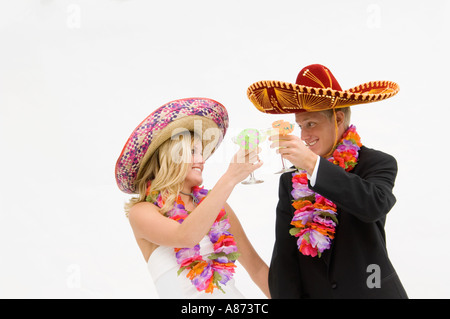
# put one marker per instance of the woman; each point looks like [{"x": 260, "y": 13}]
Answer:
[{"x": 189, "y": 237}]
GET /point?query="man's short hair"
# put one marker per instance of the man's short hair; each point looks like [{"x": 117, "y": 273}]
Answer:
[{"x": 347, "y": 112}]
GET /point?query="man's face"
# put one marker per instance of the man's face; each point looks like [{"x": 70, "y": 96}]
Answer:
[{"x": 317, "y": 131}]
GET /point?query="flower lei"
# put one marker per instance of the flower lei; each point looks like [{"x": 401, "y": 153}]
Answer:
[
  {"x": 205, "y": 275},
  {"x": 315, "y": 216}
]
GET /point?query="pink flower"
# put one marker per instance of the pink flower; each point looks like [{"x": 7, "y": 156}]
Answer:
[
  {"x": 185, "y": 256},
  {"x": 306, "y": 248},
  {"x": 319, "y": 241},
  {"x": 225, "y": 244}
]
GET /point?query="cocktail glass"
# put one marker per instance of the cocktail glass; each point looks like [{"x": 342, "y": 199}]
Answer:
[
  {"x": 281, "y": 128},
  {"x": 249, "y": 139}
]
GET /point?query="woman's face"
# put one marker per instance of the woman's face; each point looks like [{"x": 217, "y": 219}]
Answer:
[{"x": 194, "y": 176}]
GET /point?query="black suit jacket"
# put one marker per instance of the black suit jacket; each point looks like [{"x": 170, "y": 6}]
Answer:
[{"x": 358, "y": 256}]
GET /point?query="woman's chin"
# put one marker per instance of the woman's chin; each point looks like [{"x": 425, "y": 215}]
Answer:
[
  {"x": 195, "y": 182},
  {"x": 200, "y": 182}
]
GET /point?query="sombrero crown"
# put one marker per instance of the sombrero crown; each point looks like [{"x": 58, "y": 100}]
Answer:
[
  {"x": 316, "y": 89},
  {"x": 193, "y": 114}
]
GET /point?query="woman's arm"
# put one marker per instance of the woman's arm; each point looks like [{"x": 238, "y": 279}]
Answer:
[
  {"x": 148, "y": 223},
  {"x": 249, "y": 258}
]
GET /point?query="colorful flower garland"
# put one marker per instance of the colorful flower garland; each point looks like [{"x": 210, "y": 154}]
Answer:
[
  {"x": 315, "y": 216},
  {"x": 205, "y": 275}
]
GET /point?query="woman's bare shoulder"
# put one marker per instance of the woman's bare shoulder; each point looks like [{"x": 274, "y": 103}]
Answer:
[{"x": 143, "y": 210}]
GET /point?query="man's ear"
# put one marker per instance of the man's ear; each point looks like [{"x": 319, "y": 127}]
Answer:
[{"x": 340, "y": 117}]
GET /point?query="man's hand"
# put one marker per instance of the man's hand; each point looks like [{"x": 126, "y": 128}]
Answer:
[{"x": 295, "y": 151}]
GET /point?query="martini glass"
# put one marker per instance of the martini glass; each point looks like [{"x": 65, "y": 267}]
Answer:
[
  {"x": 281, "y": 128},
  {"x": 249, "y": 139}
]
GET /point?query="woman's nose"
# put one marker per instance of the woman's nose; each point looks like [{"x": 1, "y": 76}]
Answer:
[{"x": 198, "y": 159}]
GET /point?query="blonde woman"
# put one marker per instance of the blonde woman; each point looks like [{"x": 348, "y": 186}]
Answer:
[{"x": 189, "y": 236}]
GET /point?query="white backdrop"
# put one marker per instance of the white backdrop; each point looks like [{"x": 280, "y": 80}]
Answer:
[{"x": 77, "y": 76}]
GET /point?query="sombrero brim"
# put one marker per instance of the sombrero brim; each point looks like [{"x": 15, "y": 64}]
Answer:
[
  {"x": 276, "y": 97},
  {"x": 198, "y": 115}
]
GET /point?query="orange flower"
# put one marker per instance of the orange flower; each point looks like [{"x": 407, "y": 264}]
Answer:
[
  {"x": 300, "y": 178},
  {"x": 297, "y": 223},
  {"x": 229, "y": 266},
  {"x": 324, "y": 207},
  {"x": 210, "y": 287},
  {"x": 301, "y": 203},
  {"x": 326, "y": 231},
  {"x": 197, "y": 269}
]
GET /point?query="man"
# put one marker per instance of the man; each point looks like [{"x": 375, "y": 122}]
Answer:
[{"x": 330, "y": 239}]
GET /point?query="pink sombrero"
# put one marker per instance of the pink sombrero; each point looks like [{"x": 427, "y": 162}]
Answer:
[
  {"x": 316, "y": 89},
  {"x": 190, "y": 114}
]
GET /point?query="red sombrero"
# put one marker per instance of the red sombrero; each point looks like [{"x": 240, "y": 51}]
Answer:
[
  {"x": 316, "y": 89},
  {"x": 207, "y": 115}
]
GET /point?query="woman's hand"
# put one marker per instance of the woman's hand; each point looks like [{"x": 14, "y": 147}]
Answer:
[{"x": 242, "y": 164}]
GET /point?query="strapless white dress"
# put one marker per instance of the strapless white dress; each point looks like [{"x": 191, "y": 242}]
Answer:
[{"x": 163, "y": 268}]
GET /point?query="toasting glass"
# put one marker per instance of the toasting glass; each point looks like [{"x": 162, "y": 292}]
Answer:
[{"x": 249, "y": 139}]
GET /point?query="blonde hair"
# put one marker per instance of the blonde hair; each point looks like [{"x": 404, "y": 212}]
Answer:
[{"x": 166, "y": 169}]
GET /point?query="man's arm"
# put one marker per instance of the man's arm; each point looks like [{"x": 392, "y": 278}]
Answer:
[{"x": 366, "y": 193}]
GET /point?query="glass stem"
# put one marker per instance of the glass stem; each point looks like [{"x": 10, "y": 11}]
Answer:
[{"x": 283, "y": 162}]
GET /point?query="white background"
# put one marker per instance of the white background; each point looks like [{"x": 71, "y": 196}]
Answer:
[{"x": 76, "y": 77}]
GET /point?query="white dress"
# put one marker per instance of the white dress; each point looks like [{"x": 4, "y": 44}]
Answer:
[{"x": 163, "y": 268}]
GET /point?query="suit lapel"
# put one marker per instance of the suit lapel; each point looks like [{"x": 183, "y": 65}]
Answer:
[{"x": 326, "y": 256}]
